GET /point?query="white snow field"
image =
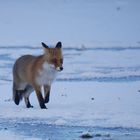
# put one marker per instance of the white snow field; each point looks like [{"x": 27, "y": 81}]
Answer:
[{"x": 99, "y": 89}]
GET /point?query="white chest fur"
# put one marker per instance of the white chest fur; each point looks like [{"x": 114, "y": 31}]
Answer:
[{"x": 46, "y": 75}]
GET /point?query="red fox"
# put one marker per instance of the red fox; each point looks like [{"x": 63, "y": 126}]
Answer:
[{"x": 34, "y": 72}]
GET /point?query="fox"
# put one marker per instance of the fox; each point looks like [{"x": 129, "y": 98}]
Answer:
[{"x": 32, "y": 73}]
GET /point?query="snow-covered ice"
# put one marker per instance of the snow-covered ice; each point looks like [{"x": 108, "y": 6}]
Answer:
[
  {"x": 99, "y": 88},
  {"x": 114, "y": 105}
]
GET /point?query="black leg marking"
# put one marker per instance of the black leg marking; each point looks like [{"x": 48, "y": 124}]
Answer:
[
  {"x": 41, "y": 101},
  {"x": 47, "y": 97},
  {"x": 17, "y": 98},
  {"x": 40, "y": 97},
  {"x": 28, "y": 105}
]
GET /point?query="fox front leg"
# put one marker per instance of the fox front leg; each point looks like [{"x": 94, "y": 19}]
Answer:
[
  {"x": 46, "y": 93},
  {"x": 40, "y": 97}
]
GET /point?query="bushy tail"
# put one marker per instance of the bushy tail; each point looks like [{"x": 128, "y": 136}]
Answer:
[{"x": 17, "y": 95}]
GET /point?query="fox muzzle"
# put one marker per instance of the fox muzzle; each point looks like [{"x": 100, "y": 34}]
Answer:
[{"x": 59, "y": 68}]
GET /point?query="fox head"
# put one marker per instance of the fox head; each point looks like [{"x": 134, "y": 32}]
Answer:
[{"x": 54, "y": 56}]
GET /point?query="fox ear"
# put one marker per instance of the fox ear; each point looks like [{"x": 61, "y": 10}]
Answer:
[
  {"x": 58, "y": 45},
  {"x": 44, "y": 45}
]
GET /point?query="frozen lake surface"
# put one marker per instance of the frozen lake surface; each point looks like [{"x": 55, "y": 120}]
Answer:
[
  {"x": 99, "y": 89},
  {"x": 98, "y": 92},
  {"x": 101, "y": 64},
  {"x": 22, "y": 129}
]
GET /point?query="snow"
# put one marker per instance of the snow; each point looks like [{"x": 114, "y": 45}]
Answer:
[
  {"x": 95, "y": 103},
  {"x": 99, "y": 86},
  {"x": 114, "y": 105},
  {"x": 5, "y": 135}
]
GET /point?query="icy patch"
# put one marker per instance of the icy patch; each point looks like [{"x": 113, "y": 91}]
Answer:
[
  {"x": 7, "y": 135},
  {"x": 60, "y": 122}
]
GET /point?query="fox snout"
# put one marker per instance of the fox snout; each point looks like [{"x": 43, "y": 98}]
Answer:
[
  {"x": 59, "y": 68},
  {"x": 56, "y": 67}
]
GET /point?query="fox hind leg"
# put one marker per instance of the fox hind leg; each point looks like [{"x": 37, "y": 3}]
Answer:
[
  {"x": 28, "y": 90},
  {"x": 17, "y": 95}
]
